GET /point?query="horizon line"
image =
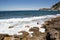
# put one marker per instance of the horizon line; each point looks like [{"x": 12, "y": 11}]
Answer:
[{"x": 17, "y": 10}]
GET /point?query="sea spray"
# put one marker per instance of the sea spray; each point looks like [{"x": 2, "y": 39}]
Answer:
[{"x": 19, "y": 24}]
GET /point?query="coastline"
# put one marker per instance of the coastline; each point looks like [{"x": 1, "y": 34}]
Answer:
[
  {"x": 52, "y": 31},
  {"x": 30, "y": 20}
]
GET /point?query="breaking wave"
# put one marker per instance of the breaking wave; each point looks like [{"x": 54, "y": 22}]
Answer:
[{"x": 14, "y": 25}]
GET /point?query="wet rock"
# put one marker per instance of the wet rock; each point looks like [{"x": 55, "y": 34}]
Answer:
[
  {"x": 27, "y": 26},
  {"x": 11, "y": 26},
  {"x": 34, "y": 29},
  {"x": 52, "y": 29},
  {"x": 37, "y": 35}
]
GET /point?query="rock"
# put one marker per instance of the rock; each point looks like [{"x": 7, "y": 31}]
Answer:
[
  {"x": 11, "y": 26},
  {"x": 52, "y": 29},
  {"x": 34, "y": 29},
  {"x": 56, "y": 6},
  {"x": 3, "y": 35},
  {"x": 8, "y": 38},
  {"x": 52, "y": 32},
  {"x": 37, "y": 23},
  {"x": 27, "y": 26}
]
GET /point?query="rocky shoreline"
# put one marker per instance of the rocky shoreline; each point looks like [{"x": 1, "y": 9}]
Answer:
[
  {"x": 53, "y": 28},
  {"x": 52, "y": 32}
]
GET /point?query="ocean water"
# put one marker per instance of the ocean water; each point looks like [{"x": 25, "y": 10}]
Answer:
[
  {"x": 20, "y": 19},
  {"x": 22, "y": 14}
]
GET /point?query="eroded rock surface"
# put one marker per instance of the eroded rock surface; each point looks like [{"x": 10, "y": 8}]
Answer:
[
  {"x": 53, "y": 28},
  {"x": 52, "y": 32}
]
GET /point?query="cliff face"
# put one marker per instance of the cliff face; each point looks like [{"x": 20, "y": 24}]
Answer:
[{"x": 56, "y": 6}]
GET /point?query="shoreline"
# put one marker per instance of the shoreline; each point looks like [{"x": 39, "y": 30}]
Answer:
[{"x": 49, "y": 25}]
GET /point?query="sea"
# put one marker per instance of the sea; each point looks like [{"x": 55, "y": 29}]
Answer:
[{"x": 12, "y": 22}]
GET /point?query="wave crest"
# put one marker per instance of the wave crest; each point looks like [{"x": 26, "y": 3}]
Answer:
[{"x": 19, "y": 24}]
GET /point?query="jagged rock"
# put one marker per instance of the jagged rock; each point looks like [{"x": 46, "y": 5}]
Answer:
[
  {"x": 24, "y": 36},
  {"x": 52, "y": 29},
  {"x": 37, "y": 35},
  {"x": 56, "y": 6},
  {"x": 35, "y": 31},
  {"x": 2, "y": 36}
]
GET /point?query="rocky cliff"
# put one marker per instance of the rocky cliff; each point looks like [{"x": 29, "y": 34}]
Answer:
[{"x": 56, "y": 6}]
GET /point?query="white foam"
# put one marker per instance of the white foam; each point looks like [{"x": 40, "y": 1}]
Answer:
[
  {"x": 19, "y": 33},
  {"x": 20, "y": 23},
  {"x": 42, "y": 30}
]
